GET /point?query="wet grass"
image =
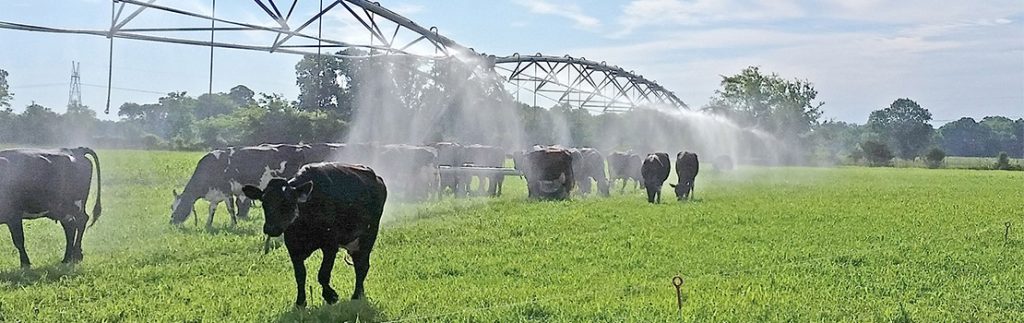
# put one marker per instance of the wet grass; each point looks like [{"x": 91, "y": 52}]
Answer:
[{"x": 790, "y": 244}]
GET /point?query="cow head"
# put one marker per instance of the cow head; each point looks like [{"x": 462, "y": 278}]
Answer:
[
  {"x": 179, "y": 212},
  {"x": 280, "y": 202},
  {"x": 682, "y": 190}
]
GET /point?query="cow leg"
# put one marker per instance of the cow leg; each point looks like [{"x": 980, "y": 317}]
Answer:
[
  {"x": 657, "y": 193},
  {"x": 243, "y": 207},
  {"x": 230, "y": 203},
  {"x": 650, "y": 194},
  {"x": 209, "y": 219},
  {"x": 69, "y": 238},
  {"x": 299, "y": 266},
  {"x": 80, "y": 222},
  {"x": 324, "y": 276},
  {"x": 18, "y": 236},
  {"x": 361, "y": 262}
]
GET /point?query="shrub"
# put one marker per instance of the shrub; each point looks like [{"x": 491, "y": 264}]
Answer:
[
  {"x": 877, "y": 153},
  {"x": 934, "y": 157},
  {"x": 152, "y": 142},
  {"x": 856, "y": 155},
  {"x": 1002, "y": 161}
]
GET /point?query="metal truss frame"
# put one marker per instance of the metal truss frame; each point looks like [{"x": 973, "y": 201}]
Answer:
[{"x": 583, "y": 83}]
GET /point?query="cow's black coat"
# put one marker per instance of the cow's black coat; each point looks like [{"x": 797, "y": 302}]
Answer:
[
  {"x": 687, "y": 167},
  {"x": 655, "y": 171}
]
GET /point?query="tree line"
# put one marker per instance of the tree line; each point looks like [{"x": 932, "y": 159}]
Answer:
[{"x": 333, "y": 89}]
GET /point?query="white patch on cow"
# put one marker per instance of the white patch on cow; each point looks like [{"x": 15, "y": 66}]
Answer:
[
  {"x": 215, "y": 196},
  {"x": 174, "y": 205},
  {"x": 217, "y": 153},
  {"x": 81, "y": 205},
  {"x": 269, "y": 173},
  {"x": 236, "y": 187},
  {"x": 352, "y": 246}
]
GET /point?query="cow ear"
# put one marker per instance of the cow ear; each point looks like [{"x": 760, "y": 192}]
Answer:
[
  {"x": 303, "y": 192},
  {"x": 673, "y": 185},
  {"x": 175, "y": 192},
  {"x": 253, "y": 192}
]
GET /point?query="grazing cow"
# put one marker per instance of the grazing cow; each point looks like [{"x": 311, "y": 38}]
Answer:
[
  {"x": 549, "y": 173},
  {"x": 323, "y": 152},
  {"x": 485, "y": 156},
  {"x": 326, "y": 206},
  {"x": 210, "y": 182},
  {"x": 655, "y": 170},
  {"x": 624, "y": 166},
  {"x": 687, "y": 167},
  {"x": 48, "y": 183},
  {"x": 450, "y": 154},
  {"x": 257, "y": 165},
  {"x": 588, "y": 163}
]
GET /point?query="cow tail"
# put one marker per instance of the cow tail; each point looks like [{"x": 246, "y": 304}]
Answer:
[{"x": 98, "y": 207}]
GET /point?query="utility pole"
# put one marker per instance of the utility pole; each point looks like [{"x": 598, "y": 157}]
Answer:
[{"x": 75, "y": 88}]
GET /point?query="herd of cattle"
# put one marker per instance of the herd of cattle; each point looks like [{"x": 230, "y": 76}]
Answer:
[{"x": 319, "y": 196}]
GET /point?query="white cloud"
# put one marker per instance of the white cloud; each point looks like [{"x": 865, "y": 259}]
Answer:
[
  {"x": 570, "y": 11},
  {"x": 640, "y": 13}
]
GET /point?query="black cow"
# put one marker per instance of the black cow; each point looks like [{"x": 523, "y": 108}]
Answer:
[
  {"x": 450, "y": 154},
  {"x": 48, "y": 183},
  {"x": 326, "y": 206},
  {"x": 412, "y": 170},
  {"x": 687, "y": 167},
  {"x": 209, "y": 181},
  {"x": 549, "y": 173},
  {"x": 485, "y": 156},
  {"x": 624, "y": 166},
  {"x": 655, "y": 171},
  {"x": 588, "y": 164}
]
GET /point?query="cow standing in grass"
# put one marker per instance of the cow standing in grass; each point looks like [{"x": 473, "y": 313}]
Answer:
[
  {"x": 326, "y": 206},
  {"x": 655, "y": 170},
  {"x": 209, "y": 181},
  {"x": 687, "y": 167},
  {"x": 48, "y": 183},
  {"x": 549, "y": 173},
  {"x": 588, "y": 164},
  {"x": 624, "y": 166}
]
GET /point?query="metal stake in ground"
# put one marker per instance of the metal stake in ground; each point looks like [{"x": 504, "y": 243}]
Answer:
[{"x": 678, "y": 283}]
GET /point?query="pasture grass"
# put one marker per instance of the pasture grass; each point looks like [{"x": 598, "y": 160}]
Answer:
[{"x": 780, "y": 244}]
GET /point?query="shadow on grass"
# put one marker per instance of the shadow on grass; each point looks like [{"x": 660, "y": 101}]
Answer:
[
  {"x": 345, "y": 311},
  {"x": 238, "y": 230},
  {"x": 20, "y": 277}
]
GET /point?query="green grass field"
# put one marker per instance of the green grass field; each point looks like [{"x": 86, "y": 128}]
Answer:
[{"x": 787, "y": 244}]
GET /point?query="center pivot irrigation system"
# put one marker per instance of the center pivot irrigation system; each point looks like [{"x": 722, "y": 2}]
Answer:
[{"x": 329, "y": 27}]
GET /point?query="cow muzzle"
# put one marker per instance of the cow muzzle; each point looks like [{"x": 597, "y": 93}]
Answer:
[{"x": 552, "y": 186}]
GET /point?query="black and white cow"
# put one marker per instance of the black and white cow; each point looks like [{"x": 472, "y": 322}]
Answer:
[
  {"x": 258, "y": 165},
  {"x": 624, "y": 166},
  {"x": 687, "y": 167},
  {"x": 588, "y": 164},
  {"x": 48, "y": 183},
  {"x": 209, "y": 181},
  {"x": 655, "y": 171},
  {"x": 326, "y": 206}
]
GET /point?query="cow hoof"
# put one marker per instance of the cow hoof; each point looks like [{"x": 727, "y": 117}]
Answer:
[
  {"x": 26, "y": 266},
  {"x": 330, "y": 297},
  {"x": 300, "y": 305}
]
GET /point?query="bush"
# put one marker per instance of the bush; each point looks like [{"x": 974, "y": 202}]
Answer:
[
  {"x": 153, "y": 142},
  {"x": 934, "y": 157},
  {"x": 1002, "y": 161},
  {"x": 877, "y": 153},
  {"x": 856, "y": 155}
]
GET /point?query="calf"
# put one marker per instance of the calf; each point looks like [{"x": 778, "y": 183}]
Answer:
[
  {"x": 655, "y": 170},
  {"x": 326, "y": 206},
  {"x": 686, "y": 172},
  {"x": 48, "y": 183}
]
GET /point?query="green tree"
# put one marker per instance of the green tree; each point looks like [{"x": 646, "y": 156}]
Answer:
[
  {"x": 216, "y": 104},
  {"x": 876, "y": 152},
  {"x": 966, "y": 137},
  {"x": 934, "y": 157},
  {"x": 319, "y": 89},
  {"x": 5, "y": 90},
  {"x": 77, "y": 125},
  {"x": 242, "y": 96},
  {"x": 905, "y": 125},
  {"x": 1004, "y": 135},
  {"x": 37, "y": 125},
  {"x": 786, "y": 108}
]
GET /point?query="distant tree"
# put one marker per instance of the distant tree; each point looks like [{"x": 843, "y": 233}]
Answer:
[
  {"x": 966, "y": 137},
  {"x": 934, "y": 157},
  {"x": 877, "y": 153},
  {"x": 319, "y": 87},
  {"x": 5, "y": 90},
  {"x": 786, "y": 108},
  {"x": 216, "y": 104},
  {"x": 77, "y": 124},
  {"x": 905, "y": 125},
  {"x": 833, "y": 139},
  {"x": 7, "y": 118},
  {"x": 242, "y": 96},
  {"x": 37, "y": 125},
  {"x": 1004, "y": 136}
]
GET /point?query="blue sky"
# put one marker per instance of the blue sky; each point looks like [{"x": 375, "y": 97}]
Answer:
[{"x": 956, "y": 58}]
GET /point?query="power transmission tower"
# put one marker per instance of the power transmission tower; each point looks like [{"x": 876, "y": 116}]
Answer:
[{"x": 75, "y": 91}]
